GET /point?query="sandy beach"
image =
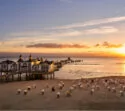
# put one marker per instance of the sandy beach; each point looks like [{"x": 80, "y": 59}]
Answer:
[{"x": 97, "y": 93}]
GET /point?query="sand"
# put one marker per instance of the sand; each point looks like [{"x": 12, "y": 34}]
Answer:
[{"x": 81, "y": 98}]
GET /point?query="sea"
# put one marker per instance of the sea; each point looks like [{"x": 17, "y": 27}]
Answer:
[{"x": 87, "y": 68}]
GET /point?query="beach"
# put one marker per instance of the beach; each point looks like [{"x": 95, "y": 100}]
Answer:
[{"x": 87, "y": 94}]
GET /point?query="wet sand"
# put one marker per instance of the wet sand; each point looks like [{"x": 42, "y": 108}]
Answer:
[{"x": 81, "y": 97}]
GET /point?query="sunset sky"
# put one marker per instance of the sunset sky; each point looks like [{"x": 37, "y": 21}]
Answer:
[{"x": 88, "y": 27}]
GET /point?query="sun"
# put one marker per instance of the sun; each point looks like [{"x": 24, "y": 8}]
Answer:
[{"x": 121, "y": 50}]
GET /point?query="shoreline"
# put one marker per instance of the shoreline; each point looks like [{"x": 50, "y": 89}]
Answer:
[
  {"x": 58, "y": 79},
  {"x": 104, "y": 77}
]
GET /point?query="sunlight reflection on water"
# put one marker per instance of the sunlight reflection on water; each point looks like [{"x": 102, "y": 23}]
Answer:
[{"x": 91, "y": 69}]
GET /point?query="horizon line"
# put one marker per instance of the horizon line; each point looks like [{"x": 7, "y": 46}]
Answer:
[{"x": 82, "y": 55}]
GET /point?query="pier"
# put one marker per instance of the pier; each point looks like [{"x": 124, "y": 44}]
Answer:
[{"x": 30, "y": 69}]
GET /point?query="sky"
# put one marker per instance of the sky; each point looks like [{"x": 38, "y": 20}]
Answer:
[{"x": 81, "y": 27}]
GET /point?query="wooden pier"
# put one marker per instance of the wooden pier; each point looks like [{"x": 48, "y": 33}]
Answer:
[{"x": 31, "y": 69}]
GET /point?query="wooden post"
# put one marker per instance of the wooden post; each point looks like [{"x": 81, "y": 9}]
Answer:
[
  {"x": 7, "y": 73},
  {"x": 6, "y": 77},
  {"x": 1, "y": 76},
  {"x": 12, "y": 77},
  {"x": 33, "y": 76},
  {"x": 26, "y": 76},
  {"x": 20, "y": 77},
  {"x": 47, "y": 76},
  {"x": 50, "y": 75},
  {"x": 53, "y": 75}
]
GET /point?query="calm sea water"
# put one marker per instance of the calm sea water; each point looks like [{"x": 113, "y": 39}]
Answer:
[
  {"x": 93, "y": 67},
  {"x": 89, "y": 67}
]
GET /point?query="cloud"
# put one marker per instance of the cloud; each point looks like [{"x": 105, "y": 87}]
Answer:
[
  {"x": 53, "y": 35},
  {"x": 12, "y": 42},
  {"x": 92, "y": 23},
  {"x": 67, "y": 33},
  {"x": 55, "y": 45},
  {"x": 108, "y": 45},
  {"x": 27, "y": 37},
  {"x": 101, "y": 30},
  {"x": 26, "y": 34},
  {"x": 46, "y": 35},
  {"x": 97, "y": 45}
]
